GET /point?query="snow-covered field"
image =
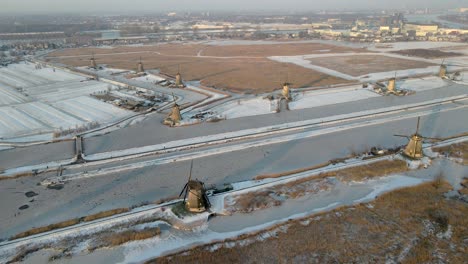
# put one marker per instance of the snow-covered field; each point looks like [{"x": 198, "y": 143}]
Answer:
[
  {"x": 91, "y": 109},
  {"x": 422, "y": 84},
  {"x": 24, "y": 75},
  {"x": 38, "y": 100},
  {"x": 327, "y": 97},
  {"x": 149, "y": 78},
  {"x": 10, "y": 96},
  {"x": 240, "y": 108},
  {"x": 412, "y": 45},
  {"x": 306, "y": 99}
]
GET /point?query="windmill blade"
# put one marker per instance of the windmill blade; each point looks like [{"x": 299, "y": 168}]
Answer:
[
  {"x": 186, "y": 192},
  {"x": 190, "y": 174},
  {"x": 207, "y": 200},
  {"x": 417, "y": 127},
  {"x": 434, "y": 139},
  {"x": 183, "y": 189},
  {"x": 402, "y": 136}
]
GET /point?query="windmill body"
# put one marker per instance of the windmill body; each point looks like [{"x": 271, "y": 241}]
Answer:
[
  {"x": 92, "y": 63},
  {"x": 195, "y": 198},
  {"x": 175, "y": 113},
  {"x": 178, "y": 80},
  {"x": 391, "y": 85},
  {"x": 286, "y": 91},
  {"x": 140, "y": 67},
  {"x": 414, "y": 148},
  {"x": 196, "y": 201},
  {"x": 174, "y": 117},
  {"x": 443, "y": 71}
]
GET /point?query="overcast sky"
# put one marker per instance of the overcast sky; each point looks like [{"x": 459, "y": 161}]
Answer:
[{"x": 152, "y": 6}]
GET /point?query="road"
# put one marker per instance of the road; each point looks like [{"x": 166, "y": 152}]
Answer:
[{"x": 127, "y": 188}]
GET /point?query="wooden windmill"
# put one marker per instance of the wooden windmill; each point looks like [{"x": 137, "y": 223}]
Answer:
[
  {"x": 195, "y": 198},
  {"x": 443, "y": 70},
  {"x": 92, "y": 63},
  {"x": 414, "y": 148},
  {"x": 174, "y": 116},
  {"x": 140, "y": 67},
  {"x": 392, "y": 84}
]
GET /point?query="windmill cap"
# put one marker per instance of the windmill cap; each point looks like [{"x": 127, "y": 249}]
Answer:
[{"x": 195, "y": 184}]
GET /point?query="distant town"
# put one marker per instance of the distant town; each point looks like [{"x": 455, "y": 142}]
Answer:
[{"x": 25, "y": 36}]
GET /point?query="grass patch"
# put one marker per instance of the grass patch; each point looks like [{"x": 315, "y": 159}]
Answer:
[
  {"x": 48, "y": 228},
  {"x": 179, "y": 210},
  {"x": 464, "y": 189},
  {"x": 116, "y": 239},
  {"x": 105, "y": 214},
  {"x": 391, "y": 230},
  {"x": 364, "y": 172},
  {"x": 459, "y": 151},
  {"x": 286, "y": 173}
]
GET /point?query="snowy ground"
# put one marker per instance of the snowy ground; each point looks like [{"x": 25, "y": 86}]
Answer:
[
  {"x": 412, "y": 45},
  {"x": 42, "y": 100},
  {"x": 309, "y": 99},
  {"x": 333, "y": 96},
  {"x": 421, "y": 84},
  {"x": 149, "y": 78},
  {"x": 244, "y": 107}
]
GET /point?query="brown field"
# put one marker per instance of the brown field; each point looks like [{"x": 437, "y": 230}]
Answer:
[
  {"x": 401, "y": 226},
  {"x": 427, "y": 53},
  {"x": 358, "y": 65},
  {"x": 249, "y": 71},
  {"x": 459, "y": 151}
]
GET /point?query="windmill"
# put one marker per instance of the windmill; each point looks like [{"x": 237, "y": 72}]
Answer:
[
  {"x": 195, "y": 198},
  {"x": 414, "y": 148},
  {"x": 443, "y": 70},
  {"x": 92, "y": 63},
  {"x": 286, "y": 91},
  {"x": 178, "y": 79},
  {"x": 392, "y": 84},
  {"x": 140, "y": 67},
  {"x": 174, "y": 116}
]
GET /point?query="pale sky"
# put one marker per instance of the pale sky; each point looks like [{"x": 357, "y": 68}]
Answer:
[{"x": 153, "y": 6}]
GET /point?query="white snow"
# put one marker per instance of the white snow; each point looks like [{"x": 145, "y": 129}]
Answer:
[
  {"x": 55, "y": 99},
  {"x": 330, "y": 96},
  {"x": 412, "y": 45},
  {"x": 422, "y": 84},
  {"x": 49, "y": 115},
  {"x": 149, "y": 78},
  {"x": 390, "y": 183},
  {"x": 90, "y": 109},
  {"x": 10, "y": 96},
  {"x": 244, "y": 107}
]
